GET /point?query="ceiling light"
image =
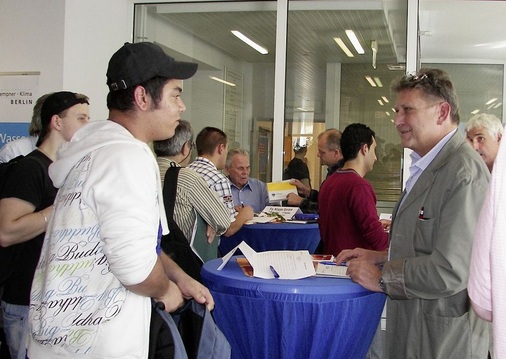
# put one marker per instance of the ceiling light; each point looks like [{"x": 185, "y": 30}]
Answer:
[
  {"x": 387, "y": 113},
  {"x": 385, "y": 99},
  {"x": 222, "y": 81},
  {"x": 492, "y": 100},
  {"x": 250, "y": 42},
  {"x": 371, "y": 81},
  {"x": 356, "y": 44},
  {"x": 393, "y": 109},
  {"x": 380, "y": 102},
  {"x": 498, "y": 105},
  {"x": 475, "y": 111},
  {"x": 374, "y": 48},
  {"x": 378, "y": 82},
  {"x": 343, "y": 47}
]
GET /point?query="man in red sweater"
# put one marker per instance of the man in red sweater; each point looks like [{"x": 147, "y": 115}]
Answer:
[{"x": 347, "y": 202}]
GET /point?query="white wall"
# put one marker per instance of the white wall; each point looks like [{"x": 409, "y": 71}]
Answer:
[
  {"x": 68, "y": 41},
  {"x": 31, "y": 39}
]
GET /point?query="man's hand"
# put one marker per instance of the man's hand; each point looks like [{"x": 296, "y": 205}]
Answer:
[
  {"x": 294, "y": 200},
  {"x": 373, "y": 257},
  {"x": 211, "y": 234},
  {"x": 364, "y": 273},
  {"x": 304, "y": 191},
  {"x": 172, "y": 299},
  {"x": 386, "y": 224},
  {"x": 193, "y": 289},
  {"x": 186, "y": 285}
]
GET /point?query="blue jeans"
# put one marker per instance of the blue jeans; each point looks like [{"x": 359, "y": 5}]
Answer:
[{"x": 16, "y": 328}]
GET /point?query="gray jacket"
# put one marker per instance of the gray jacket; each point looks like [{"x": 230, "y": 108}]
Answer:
[{"x": 428, "y": 311}]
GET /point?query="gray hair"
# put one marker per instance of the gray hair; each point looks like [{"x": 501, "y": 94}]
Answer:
[
  {"x": 173, "y": 146},
  {"x": 232, "y": 153},
  {"x": 485, "y": 120}
]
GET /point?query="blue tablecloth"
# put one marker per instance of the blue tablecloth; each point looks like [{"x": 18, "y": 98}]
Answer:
[
  {"x": 274, "y": 236},
  {"x": 306, "y": 318}
]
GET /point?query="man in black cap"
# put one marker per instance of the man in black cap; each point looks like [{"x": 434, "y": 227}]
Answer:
[
  {"x": 27, "y": 198},
  {"x": 99, "y": 266}
]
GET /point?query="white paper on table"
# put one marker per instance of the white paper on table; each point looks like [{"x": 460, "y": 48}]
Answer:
[{"x": 288, "y": 264}]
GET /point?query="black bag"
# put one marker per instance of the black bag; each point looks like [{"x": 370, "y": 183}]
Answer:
[
  {"x": 188, "y": 333},
  {"x": 175, "y": 244},
  {"x": 8, "y": 255}
]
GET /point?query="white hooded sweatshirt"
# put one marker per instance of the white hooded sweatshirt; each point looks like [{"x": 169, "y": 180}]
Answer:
[{"x": 102, "y": 236}]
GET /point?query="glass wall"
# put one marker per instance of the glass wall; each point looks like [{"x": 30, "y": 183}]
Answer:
[{"x": 324, "y": 87}]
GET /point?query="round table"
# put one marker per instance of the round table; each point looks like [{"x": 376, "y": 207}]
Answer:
[
  {"x": 274, "y": 236},
  {"x": 314, "y": 317}
]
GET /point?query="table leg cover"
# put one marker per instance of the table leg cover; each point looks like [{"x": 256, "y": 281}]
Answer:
[{"x": 258, "y": 328}]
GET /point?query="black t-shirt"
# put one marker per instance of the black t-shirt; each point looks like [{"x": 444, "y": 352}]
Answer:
[
  {"x": 28, "y": 180},
  {"x": 296, "y": 169}
]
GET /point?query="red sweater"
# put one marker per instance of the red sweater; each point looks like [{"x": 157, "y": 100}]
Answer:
[{"x": 348, "y": 217}]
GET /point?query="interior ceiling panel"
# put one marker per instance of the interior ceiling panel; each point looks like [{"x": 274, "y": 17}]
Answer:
[{"x": 445, "y": 38}]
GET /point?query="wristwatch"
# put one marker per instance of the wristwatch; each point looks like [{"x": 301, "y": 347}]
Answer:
[{"x": 381, "y": 284}]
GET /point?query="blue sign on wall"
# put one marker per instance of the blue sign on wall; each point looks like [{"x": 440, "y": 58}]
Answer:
[{"x": 10, "y": 131}]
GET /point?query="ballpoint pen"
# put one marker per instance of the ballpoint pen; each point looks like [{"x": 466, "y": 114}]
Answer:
[{"x": 274, "y": 273}]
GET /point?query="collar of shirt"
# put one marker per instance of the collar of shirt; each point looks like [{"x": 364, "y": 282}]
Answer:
[
  {"x": 246, "y": 186},
  {"x": 419, "y": 164},
  {"x": 206, "y": 161}
]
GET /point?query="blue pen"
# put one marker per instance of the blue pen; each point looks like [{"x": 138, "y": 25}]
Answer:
[
  {"x": 331, "y": 263},
  {"x": 274, "y": 273}
]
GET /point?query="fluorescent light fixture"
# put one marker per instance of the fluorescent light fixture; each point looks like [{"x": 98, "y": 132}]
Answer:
[
  {"x": 385, "y": 100},
  {"x": 387, "y": 113},
  {"x": 374, "y": 48},
  {"x": 392, "y": 121},
  {"x": 380, "y": 102},
  {"x": 393, "y": 109},
  {"x": 475, "y": 112},
  {"x": 222, "y": 81},
  {"x": 371, "y": 81},
  {"x": 250, "y": 42},
  {"x": 492, "y": 100},
  {"x": 498, "y": 105},
  {"x": 490, "y": 106},
  {"x": 356, "y": 44},
  {"x": 378, "y": 82},
  {"x": 343, "y": 47}
]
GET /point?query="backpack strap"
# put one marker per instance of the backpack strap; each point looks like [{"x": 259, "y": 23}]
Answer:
[{"x": 169, "y": 190}]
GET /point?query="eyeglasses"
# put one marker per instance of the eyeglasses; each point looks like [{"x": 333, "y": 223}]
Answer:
[{"x": 414, "y": 79}]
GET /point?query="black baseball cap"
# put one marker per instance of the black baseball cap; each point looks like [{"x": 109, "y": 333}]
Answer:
[
  {"x": 137, "y": 63},
  {"x": 55, "y": 104}
]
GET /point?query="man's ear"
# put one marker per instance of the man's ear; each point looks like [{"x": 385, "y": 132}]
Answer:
[
  {"x": 56, "y": 122},
  {"x": 221, "y": 148},
  {"x": 499, "y": 137},
  {"x": 141, "y": 98},
  {"x": 185, "y": 150},
  {"x": 364, "y": 149},
  {"x": 444, "y": 113}
]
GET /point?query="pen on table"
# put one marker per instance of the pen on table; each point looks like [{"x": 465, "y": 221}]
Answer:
[
  {"x": 331, "y": 263},
  {"x": 274, "y": 273}
]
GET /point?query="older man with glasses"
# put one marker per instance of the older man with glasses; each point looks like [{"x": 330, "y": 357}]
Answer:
[{"x": 424, "y": 273}]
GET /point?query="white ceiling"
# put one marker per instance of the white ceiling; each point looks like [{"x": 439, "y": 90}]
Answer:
[{"x": 454, "y": 31}]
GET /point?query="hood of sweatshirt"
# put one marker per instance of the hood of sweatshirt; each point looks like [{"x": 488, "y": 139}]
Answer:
[{"x": 91, "y": 137}]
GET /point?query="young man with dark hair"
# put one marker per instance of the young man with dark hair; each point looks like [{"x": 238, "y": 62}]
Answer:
[
  {"x": 99, "y": 266},
  {"x": 347, "y": 202}
]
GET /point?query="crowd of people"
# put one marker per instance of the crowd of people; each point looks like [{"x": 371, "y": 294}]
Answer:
[{"x": 84, "y": 205}]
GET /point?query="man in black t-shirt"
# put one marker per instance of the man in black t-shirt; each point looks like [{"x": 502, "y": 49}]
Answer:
[{"x": 25, "y": 207}]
